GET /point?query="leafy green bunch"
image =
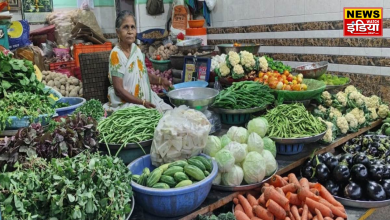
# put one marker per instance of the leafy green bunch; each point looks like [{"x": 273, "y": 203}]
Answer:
[
  {"x": 277, "y": 65},
  {"x": 92, "y": 108}
]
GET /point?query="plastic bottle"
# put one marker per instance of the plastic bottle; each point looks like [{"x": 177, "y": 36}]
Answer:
[{"x": 217, "y": 85}]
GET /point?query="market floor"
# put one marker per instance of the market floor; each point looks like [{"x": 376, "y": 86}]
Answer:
[{"x": 378, "y": 214}]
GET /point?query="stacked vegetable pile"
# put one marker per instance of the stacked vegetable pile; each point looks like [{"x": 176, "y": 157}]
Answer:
[
  {"x": 334, "y": 80},
  {"x": 354, "y": 177},
  {"x": 164, "y": 52},
  {"x": 165, "y": 75},
  {"x": 275, "y": 66},
  {"x": 243, "y": 156},
  {"x": 238, "y": 66},
  {"x": 288, "y": 198},
  {"x": 293, "y": 121},
  {"x": 88, "y": 186},
  {"x": 348, "y": 111},
  {"x": 177, "y": 174},
  {"x": 92, "y": 108},
  {"x": 244, "y": 95},
  {"x": 68, "y": 87},
  {"x": 372, "y": 145}
]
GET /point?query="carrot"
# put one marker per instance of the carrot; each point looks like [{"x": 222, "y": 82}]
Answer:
[
  {"x": 241, "y": 216},
  {"x": 339, "y": 218},
  {"x": 266, "y": 184},
  {"x": 293, "y": 179},
  {"x": 287, "y": 218},
  {"x": 291, "y": 187},
  {"x": 291, "y": 216},
  {"x": 261, "y": 200},
  {"x": 309, "y": 215},
  {"x": 280, "y": 191},
  {"x": 304, "y": 193},
  {"x": 278, "y": 181},
  {"x": 319, "y": 215},
  {"x": 294, "y": 211},
  {"x": 245, "y": 205},
  {"x": 279, "y": 199},
  {"x": 262, "y": 213},
  {"x": 266, "y": 187},
  {"x": 276, "y": 209},
  {"x": 328, "y": 218},
  {"x": 315, "y": 191},
  {"x": 251, "y": 199},
  {"x": 255, "y": 218},
  {"x": 315, "y": 218},
  {"x": 311, "y": 185},
  {"x": 325, "y": 211},
  {"x": 304, "y": 183},
  {"x": 235, "y": 201},
  {"x": 336, "y": 210},
  {"x": 305, "y": 212},
  {"x": 300, "y": 210},
  {"x": 238, "y": 207},
  {"x": 285, "y": 178},
  {"x": 293, "y": 199},
  {"x": 326, "y": 195}
]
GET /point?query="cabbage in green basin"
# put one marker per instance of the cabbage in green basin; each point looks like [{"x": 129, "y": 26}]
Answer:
[
  {"x": 258, "y": 125},
  {"x": 254, "y": 168},
  {"x": 225, "y": 160},
  {"x": 269, "y": 144},
  {"x": 238, "y": 134},
  {"x": 225, "y": 140},
  {"x": 238, "y": 151},
  {"x": 255, "y": 143},
  {"x": 234, "y": 177},
  {"x": 270, "y": 162},
  {"x": 213, "y": 145}
]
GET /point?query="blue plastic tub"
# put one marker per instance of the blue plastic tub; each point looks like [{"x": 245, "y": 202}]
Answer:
[
  {"x": 146, "y": 40},
  {"x": 17, "y": 123},
  {"x": 289, "y": 149},
  {"x": 169, "y": 202},
  {"x": 202, "y": 84},
  {"x": 74, "y": 103}
]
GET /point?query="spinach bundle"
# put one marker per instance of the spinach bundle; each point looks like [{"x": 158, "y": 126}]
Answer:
[
  {"x": 244, "y": 95},
  {"x": 92, "y": 108}
]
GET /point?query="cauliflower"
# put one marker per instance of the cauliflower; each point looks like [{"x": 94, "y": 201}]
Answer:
[
  {"x": 327, "y": 98},
  {"x": 372, "y": 102},
  {"x": 383, "y": 111},
  {"x": 238, "y": 69},
  {"x": 224, "y": 69},
  {"x": 352, "y": 121},
  {"x": 359, "y": 115},
  {"x": 334, "y": 112},
  {"x": 342, "y": 124},
  {"x": 322, "y": 108},
  {"x": 357, "y": 97},
  {"x": 342, "y": 98},
  {"x": 263, "y": 64},
  {"x": 234, "y": 58},
  {"x": 350, "y": 89},
  {"x": 328, "y": 137},
  {"x": 373, "y": 114},
  {"x": 217, "y": 60},
  {"x": 247, "y": 59},
  {"x": 214, "y": 65}
]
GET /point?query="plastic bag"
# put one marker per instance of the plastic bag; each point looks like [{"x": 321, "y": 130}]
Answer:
[
  {"x": 85, "y": 4},
  {"x": 180, "y": 134},
  {"x": 88, "y": 18},
  {"x": 19, "y": 34},
  {"x": 63, "y": 22},
  {"x": 211, "y": 4}
]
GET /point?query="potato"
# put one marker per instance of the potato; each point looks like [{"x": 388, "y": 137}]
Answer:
[
  {"x": 81, "y": 91},
  {"x": 44, "y": 82},
  {"x": 63, "y": 92},
  {"x": 63, "y": 81},
  {"x": 57, "y": 83},
  {"x": 50, "y": 83},
  {"x": 71, "y": 87},
  {"x": 62, "y": 87}
]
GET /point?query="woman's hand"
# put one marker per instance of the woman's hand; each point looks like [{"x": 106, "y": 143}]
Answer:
[
  {"x": 166, "y": 84},
  {"x": 149, "y": 105}
]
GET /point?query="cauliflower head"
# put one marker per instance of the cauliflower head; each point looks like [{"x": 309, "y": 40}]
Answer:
[
  {"x": 352, "y": 121},
  {"x": 350, "y": 89},
  {"x": 383, "y": 111},
  {"x": 342, "y": 124},
  {"x": 342, "y": 98},
  {"x": 359, "y": 115},
  {"x": 234, "y": 58},
  {"x": 263, "y": 64},
  {"x": 322, "y": 108},
  {"x": 328, "y": 137},
  {"x": 334, "y": 112},
  {"x": 373, "y": 114},
  {"x": 357, "y": 97},
  {"x": 327, "y": 98},
  {"x": 238, "y": 69},
  {"x": 224, "y": 69},
  {"x": 247, "y": 59},
  {"x": 372, "y": 102}
]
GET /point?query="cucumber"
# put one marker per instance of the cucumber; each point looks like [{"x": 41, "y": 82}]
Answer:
[
  {"x": 168, "y": 180},
  {"x": 161, "y": 186},
  {"x": 184, "y": 183},
  {"x": 206, "y": 162},
  {"x": 197, "y": 163},
  {"x": 180, "y": 163},
  {"x": 180, "y": 176},
  {"x": 135, "y": 178},
  {"x": 164, "y": 167},
  {"x": 194, "y": 172},
  {"x": 146, "y": 171},
  {"x": 206, "y": 173},
  {"x": 154, "y": 177},
  {"x": 172, "y": 170},
  {"x": 142, "y": 179}
]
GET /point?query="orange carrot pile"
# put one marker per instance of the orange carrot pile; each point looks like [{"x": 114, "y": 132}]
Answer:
[{"x": 289, "y": 199}]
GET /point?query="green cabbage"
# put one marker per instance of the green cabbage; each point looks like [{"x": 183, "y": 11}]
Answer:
[
  {"x": 258, "y": 125},
  {"x": 225, "y": 160},
  {"x": 254, "y": 168},
  {"x": 270, "y": 163},
  {"x": 234, "y": 177},
  {"x": 225, "y": 140},
  {"x": 238, "y": 151},
  {"x": 238, "y": 134},
  {"x": 213, "y": 145},
  {"x": 217, "y": 179},
  {"x": 269, "y": 144},
  {"x": 255, "y": 143}
]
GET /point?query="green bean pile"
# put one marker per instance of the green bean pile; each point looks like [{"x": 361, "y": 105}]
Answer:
[
  {"x": 244, "y": 95},
  {"x": 293, "y": 121},
  {"x": 129, "y": 125}
]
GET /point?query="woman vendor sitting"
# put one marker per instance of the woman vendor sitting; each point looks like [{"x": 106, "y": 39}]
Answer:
[{"x": 130, "y": 81}]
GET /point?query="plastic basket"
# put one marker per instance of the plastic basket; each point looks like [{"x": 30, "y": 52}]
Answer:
[
  {"x": 235, "y": 119},
  {"x": 17, "y": 123},
  {"x": 61, "y": 66},
  {"x": 314, "y": 91},
  {"x": 80, "y": 48},
  {"x": 161, "y": 65},
  {"x": 148, "y": 40},
  {"x": 289, "y": 149},
  {"x": 74, "y": 103}
]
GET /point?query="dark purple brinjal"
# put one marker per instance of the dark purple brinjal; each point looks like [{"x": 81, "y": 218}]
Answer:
[
  {"x": 373, "y": 151},
  {"x": 362, "y": 159},
  {"x": 307, "y": 162},
  {"x": 331, "y": 163},
  {"x": 376, "y": 172},
  {"x": 322, "y": 173},
  {"x": 341, "y": 173},
  {"x": 326, "y": 156},
  {"x": 387, "y": 159},
  {"x": 359, "y": 173},
  {"x": 317, "y": 159},
  {"x": 386, "y": 173},
  {"x": 332, "y": 187},
  {"x": 376, "y": 162},
  {"x": 386, "y": 186},
  {"x": 313, "y": 180},
  {"x": 307, "y": 172},
  {"x": 375, "y": 191},
  {"x": 347, "y": 158},
  {"x": 353, "y": 191}
]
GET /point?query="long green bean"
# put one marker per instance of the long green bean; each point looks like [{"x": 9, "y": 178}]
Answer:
[{"x": 293, "y": 121}]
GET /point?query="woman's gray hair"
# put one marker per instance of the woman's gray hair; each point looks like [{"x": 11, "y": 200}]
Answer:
[{"x": 122, "y": 16}]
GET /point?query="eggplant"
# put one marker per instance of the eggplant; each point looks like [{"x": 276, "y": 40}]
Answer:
[
  {"x": 307, "y": 162},
  {"x": 353, "y": 191},
  {"x": 375, "y": 172},
  {"x": 387, "y": 159},
  {"x": 362, "y": 159},
  {"x": 386, "y": 186},
  {"x": 317, "y": 159},
  {"x": 326, "y": 156},
  {"x": 359, "y": 173},
  {"x": 307, "y": 172},
  {"x": 313, "y": 180},
  {"x": 332, "y": 187},
  {"x": 341, "y": 173},
  {"x": 386, "y": 172},
  {"x": 373, "y": 151},
  {"x": 331, "y": 163},
  {"x": 322, "y": 173},
  {"x": 347, "y": 158},
  {"x": 375, "y": 191}
]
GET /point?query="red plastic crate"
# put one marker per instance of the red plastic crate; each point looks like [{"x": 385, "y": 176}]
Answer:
[
  {"x": 64, "y": 67},
  {"x": 80, "y": 48}
]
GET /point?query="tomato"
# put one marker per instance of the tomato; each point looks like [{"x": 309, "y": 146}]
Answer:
[
  {"x": 284, "y": 77},
  {"x": 265, "y": 77},
  {"x": 261, "y": 74},
  {"x": 304, "y": 87},
  {"x": 158, "y": 57},
  {"x": 296, "y": 87},
  {"x": 299, "y": 80},
  {"x": 285, "y": 81},
  {"x": 289, "y": 78},
  {"x": 294, "y": 82},
  {"x": 286, "y": 72},
  {"x": 287, "y": 87}
]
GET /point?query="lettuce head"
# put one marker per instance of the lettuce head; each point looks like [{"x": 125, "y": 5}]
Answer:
[
  {"x": 225, "y": 160},
  {"x": 234, "y": 177},
  {"x": 238, "y": 134},
  {"x": 254, "y": 168},
  {"x": 255, "y": 143},
  {"x": 238, "y": 151}
]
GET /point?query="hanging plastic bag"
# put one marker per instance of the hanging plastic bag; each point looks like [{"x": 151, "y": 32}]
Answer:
[
  {"x": 211, "y": 4},
  {"x": 85, "y": 4}
]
